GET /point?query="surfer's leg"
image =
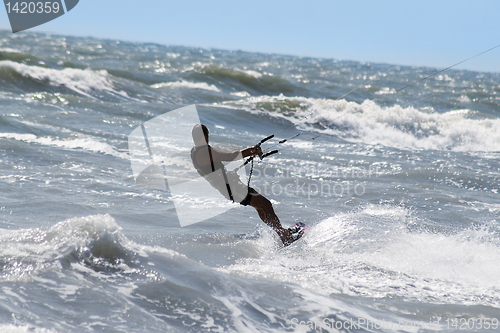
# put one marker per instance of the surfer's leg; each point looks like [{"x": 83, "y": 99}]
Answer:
[{"x": 268, "y": 216}]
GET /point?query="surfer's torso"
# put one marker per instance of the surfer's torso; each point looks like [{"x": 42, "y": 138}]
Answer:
[
  {"x": 208, "y": 163},
  {"x": 204, "y": 162}
]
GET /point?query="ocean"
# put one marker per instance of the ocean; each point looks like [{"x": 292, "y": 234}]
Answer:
[{"x": 400, "y": 188}]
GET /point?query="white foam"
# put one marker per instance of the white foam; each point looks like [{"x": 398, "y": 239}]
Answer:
[
  {"x": 9, "y": 50},
  {"x": 386, "y": 91},
  {"x": 240, "y": 94},
  {"x": 250, "y": 72},
  {"x": 240, "y": 323},
  {"x": 33, "y": 250},
  {"x": 186, "y": 84},
  {"x": 85, "y": 143},
  {"x": 372, "y": 253},
  {"x": 394, "y": 126},
  {"x": 39, "y": 248},
  {"x": 23, "y": 329},
  {"x": 462, "y": 258},
  {"x": 79, "y": 80}
]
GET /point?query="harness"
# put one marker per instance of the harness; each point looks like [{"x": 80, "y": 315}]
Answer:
[{"x": 222, "y": 168}]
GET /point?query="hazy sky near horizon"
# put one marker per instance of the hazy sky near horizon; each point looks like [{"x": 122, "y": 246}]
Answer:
[{"x": 435, "y": 33}]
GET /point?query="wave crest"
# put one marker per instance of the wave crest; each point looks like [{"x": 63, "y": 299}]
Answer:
[
  {"x": 82, "y": 81},
  {"x": 395, "y": 126}
]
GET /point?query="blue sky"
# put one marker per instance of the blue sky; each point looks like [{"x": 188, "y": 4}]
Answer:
[{"x": 436, "y": 33}]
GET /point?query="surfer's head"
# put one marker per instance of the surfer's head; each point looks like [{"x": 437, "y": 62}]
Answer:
[{"x": 200, "y": 135}]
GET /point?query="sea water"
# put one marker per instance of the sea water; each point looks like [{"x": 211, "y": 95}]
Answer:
[{"x": 400, "y": 188}]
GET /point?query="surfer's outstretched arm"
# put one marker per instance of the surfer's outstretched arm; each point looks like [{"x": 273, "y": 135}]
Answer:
[{"x": 218, "y": 155}]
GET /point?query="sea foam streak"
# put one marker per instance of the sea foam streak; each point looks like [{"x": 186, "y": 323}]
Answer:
[
  {"x": 85, "y": 143},
  {"x": 186, "y": 84},
  {"x": 23, "y": 329}
]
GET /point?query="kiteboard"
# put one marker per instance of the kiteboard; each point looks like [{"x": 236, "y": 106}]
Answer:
[{"x": 298, "y": 231}]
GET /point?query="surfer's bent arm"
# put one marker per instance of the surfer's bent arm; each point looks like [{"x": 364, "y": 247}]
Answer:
[
  {"x": 251, "y": 151},
  {"x": 223, "y": 156}
]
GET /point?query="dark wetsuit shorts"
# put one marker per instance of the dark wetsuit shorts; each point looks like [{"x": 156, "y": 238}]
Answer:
[{"x": 247, "y": 199}]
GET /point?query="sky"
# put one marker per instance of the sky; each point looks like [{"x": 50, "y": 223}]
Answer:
[{"x": 434, "y": 33}]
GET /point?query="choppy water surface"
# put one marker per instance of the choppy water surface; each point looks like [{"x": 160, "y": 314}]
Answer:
[{"x": 401, "y": 191}]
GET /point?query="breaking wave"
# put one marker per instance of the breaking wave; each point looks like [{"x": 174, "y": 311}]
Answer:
[{"x": 394, "y": 126}]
